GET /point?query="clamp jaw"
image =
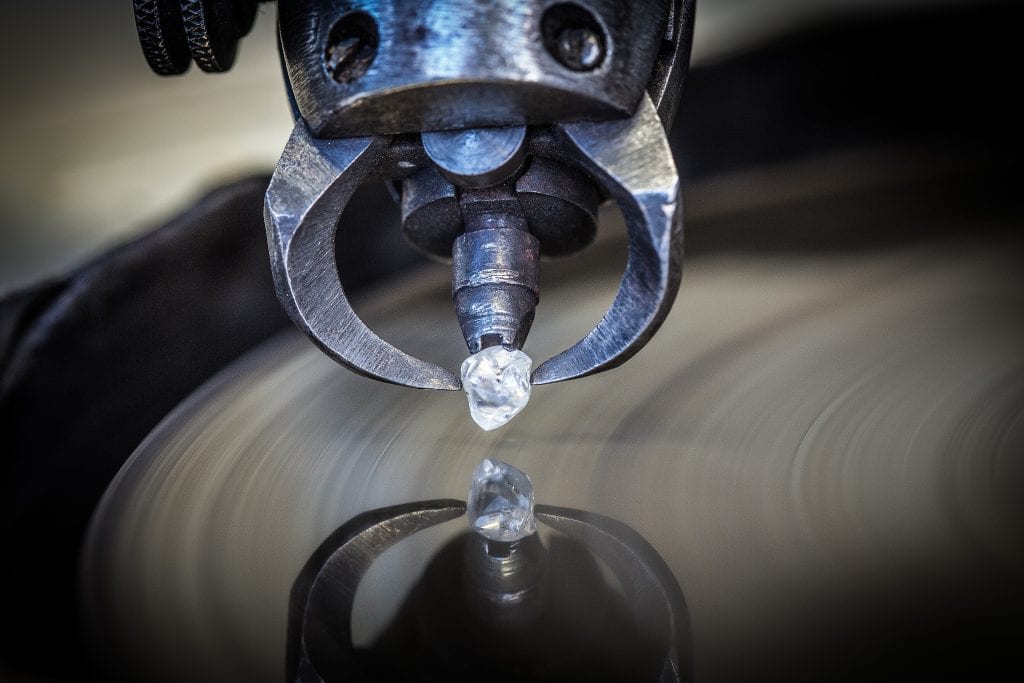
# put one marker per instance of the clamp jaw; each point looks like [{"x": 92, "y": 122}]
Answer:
[{"x": 501, "y": 126}]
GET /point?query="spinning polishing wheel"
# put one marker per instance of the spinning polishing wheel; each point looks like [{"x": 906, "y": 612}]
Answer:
[{"x": 825, "y": 449}]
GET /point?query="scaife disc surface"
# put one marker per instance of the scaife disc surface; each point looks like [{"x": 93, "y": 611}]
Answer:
[{"x": 822, "y": 447}]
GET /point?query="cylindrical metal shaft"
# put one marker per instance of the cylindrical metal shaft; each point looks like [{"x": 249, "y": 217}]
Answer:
[{"x": 495, "y": 286}]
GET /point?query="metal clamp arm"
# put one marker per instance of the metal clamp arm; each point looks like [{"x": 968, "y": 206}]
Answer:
[
  {"x": 313, "y": 181},
  {"x": 633, "y": 161}
]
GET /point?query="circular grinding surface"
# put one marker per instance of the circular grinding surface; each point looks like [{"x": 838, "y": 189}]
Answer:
[{"x": 824, "y": 448}]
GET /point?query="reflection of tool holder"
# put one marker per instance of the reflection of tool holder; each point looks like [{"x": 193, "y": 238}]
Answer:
[{"x": 500, "y": 611}]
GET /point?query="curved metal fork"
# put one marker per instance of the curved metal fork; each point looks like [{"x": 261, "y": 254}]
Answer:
[
  {"x": 632, "y": 159},
  {"x": 313, "y": 181}
]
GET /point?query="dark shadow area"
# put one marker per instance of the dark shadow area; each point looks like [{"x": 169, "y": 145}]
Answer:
[
  {"x": 928, "y": 89},
  {"x": 585, "y": 631},
  {"x": 92, "y": 362}
]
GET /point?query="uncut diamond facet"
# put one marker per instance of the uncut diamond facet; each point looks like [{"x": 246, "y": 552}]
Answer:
[
  {"x": 500, "y": 504},
  {"x": 497, "y": 382}
]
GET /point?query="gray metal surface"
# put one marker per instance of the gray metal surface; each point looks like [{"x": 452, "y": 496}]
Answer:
[
  {"x": 560, "y": 204},
  {"x": 633, "y": 162},
  {"x": 431, "y": 219},
  {"x": 495, "y": 286},
  {"x": 630, "y": 159},
  {"x": 477, "y": 157},
  {"x": 673, "y": 60},
  {"x": 465, "y": 64},
  {"x": 456, "y": 72}
]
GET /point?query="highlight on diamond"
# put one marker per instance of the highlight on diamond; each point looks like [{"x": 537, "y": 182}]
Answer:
[{"x": 497, "y": 383}]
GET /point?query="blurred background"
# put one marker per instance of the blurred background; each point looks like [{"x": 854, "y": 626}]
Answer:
[{"x": 812, "y": 134}]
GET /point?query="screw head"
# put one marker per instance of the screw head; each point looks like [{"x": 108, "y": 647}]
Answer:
[
  {"x": 579, "y": 48},
  {"x": 574, "y": 37},
  {"x": 351, "y": 47}
]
